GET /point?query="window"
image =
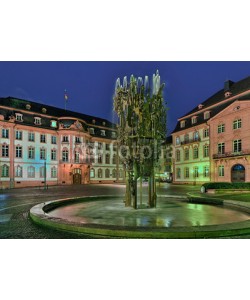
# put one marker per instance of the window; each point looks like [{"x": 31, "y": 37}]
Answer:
[
  {"x": 53, "y": 139},
  {"x": 31, "y": 152},
  {"x": 206, "y": 171},
  {"x": 103, "y": 133},
  {"x": 114, "y": 159},
  {"x": 42, "y": 138},
  {"x": 221, "y": 171},
  {"x": 196, "y": 172},
  {"x": 114, "y": 148},
  {"x": 177, "y": 141},
  {"x": 92, "y": 173},
  {"x": 42, "y": 153},
  {"x": 237, "y": 124},
  {"x": 53, "y": 154},
  {"x": 178, "y": 173},
  {"x": 77, "y": 157},
  {"x": 31, "y": 172},
  {"x": 178, "y": 155},
  {"x": 92, "y": 159},
  {"x": 91, "y": 130},
  {"x": 19, "y": 117},
  {"x": 195, "y": 152},
  {"x": 77, "y": 140},
  {"x": 194, "y": 120},
  {"x": 65, "y": 155},
  {"x": 196, "y": 136},
  {"x": 120, "y": 173},
  {"x": 42, "y": 172},
  {"x": 37, "y": 121},
  {"x": 5, "y": 133},
  {"x": 99, "y": 173},
  {"x": 99, "y": 158},
  {"x": 206, "y": 115},
  {"x": 221, "y": 128},
  {"x": 237, "y": 146},
  {"x": 19, "y": 135},
  {"x": 186, "y": 138},
  {"x": 53, "y": 123},
  {"x": 186, "y": 172},
  {"x": 113, "y": 135},
  {"x": 5, "y": 150},
  {"x": 5, "y": 171},
  {"x": 65, "y": 139},
  {"x": 114, "y": 173},
  {"x": 186, "y": 154},
  {"x": 107, "y": 159},
  {"x": 183, "y": 123},
  {"x": 99, "y": 146},
  {"x": 206, "y": 151},
  {"x": 19, "y": 151},
  {"x": 206, "y": 133},
  {"x": 107, "y": 173},
  {"x": 53, "y": 172},
  {"x": 107, "y": 147},
  {"x": 221, "y": 148},
  {"x": 31, "y": 136},
  {"x": 18, "y": 171}
]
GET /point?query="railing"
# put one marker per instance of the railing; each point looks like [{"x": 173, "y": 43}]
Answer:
[
  {"x": 231, "y": 154},
  {"x": 191, "y": 141}
]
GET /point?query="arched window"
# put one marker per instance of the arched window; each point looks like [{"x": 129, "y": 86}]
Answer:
[
  {"x": 77, "y": 157},
  {"x": 19, "y": 171},
  {"x": 99, "y": 173},
  {"x": 5, "y": 171},
  {"x": 92, "y": 173},
  {"x": 107, "y": 158},
  {"x": 186, "y": 154},
  {"x": 65, "y": 155},
  {"x": 31, "y": 172},
  {"x": 107, "y": 173},
  {"x": 196, "y": 152},
  {"x": 114, "y": 160},
  {"x": 53, "y": 172},
  {"x": 114, "y": 173}
]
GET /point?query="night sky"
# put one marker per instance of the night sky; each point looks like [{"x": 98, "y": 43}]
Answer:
[{"x": 90, "y": 85}]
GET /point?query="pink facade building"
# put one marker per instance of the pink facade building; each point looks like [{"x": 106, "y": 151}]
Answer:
[{"x": 212, "y": 141}]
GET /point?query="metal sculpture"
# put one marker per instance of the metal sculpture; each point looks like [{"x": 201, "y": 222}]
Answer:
[{"x": 141, "y": 126}]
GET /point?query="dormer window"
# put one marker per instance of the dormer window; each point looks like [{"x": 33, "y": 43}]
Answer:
[
  {"x": 206, "y": 115},
  {"x": 19, "y": 117},
  {"x": 227, "y": 94},
  {"x": 104, "y": 123},
  {"x": 44, "y": 110},
  {"x": 103, "y": 133},
  {"x": 113, "y": 134},
  {"x": 53, "y": 123},
  {"x": 183, "y": 123},
  {"x": 93, "y": 121},
  {"x": 200, "y": 106},
  {"x": 194, "y": 120},
  {"x": 37, "y": 121},
  {"x": 28, "y": 106},
  {"x": 91, "y": 130}
]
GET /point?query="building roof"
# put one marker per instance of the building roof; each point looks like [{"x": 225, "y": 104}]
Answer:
[
  {"x": 234, "y": 88},
  {"x": 14, "y": 105}
]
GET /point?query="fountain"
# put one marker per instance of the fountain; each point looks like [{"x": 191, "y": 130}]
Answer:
[{"x": 141, "y": 131}]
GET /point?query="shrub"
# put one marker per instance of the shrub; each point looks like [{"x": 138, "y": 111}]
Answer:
[{"x": 227, "y": 185}]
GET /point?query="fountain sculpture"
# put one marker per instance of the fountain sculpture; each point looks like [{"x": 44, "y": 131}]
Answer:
[{"x": 141, "y": 115}]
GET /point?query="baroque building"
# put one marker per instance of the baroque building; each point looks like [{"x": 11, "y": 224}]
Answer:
[
  {"x": 212, "y": 141},
  {"x": 45, "y": 145}
]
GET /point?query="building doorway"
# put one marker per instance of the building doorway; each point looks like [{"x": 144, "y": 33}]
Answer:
[
  {"x": 77, "y": 176},
  {"x": 238, "y": 173}
]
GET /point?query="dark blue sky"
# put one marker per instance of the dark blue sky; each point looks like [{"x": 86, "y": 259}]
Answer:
[{"x": 90, "y": 85}]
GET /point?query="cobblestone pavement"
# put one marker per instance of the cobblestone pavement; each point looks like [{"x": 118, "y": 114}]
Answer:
[{"x": 16, "y": 203}]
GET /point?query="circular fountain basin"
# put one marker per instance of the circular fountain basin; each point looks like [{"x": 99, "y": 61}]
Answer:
[{"x": 107, "y": 216}]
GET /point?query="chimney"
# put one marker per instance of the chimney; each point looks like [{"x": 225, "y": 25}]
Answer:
[{"x": 227, "y": 85}]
